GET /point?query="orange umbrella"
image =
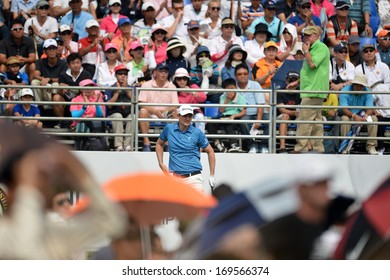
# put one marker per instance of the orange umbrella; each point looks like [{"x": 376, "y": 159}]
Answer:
[{"x": 150, "y": 197}]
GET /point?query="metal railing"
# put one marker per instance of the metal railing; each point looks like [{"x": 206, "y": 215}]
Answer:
[{"x": 135, "y": 135}]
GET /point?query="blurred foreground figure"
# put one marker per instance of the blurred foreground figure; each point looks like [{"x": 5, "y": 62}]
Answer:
[{"x": 34, "y": 169}]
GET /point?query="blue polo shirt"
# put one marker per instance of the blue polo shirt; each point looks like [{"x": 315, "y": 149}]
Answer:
[
  {"x": 297, "y": 20},
  {"x": 253, "y": 98},
  {"x": 272, "y": 27},
  {"x": 184, "y": 148},
  {"x": 79, "y": 22},
  {"x": 355, "y": 99}
]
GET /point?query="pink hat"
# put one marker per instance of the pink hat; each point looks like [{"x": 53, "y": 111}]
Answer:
[
  {"x": 135, "y": 44},
  {"x": 87, "y": 82},
  {"x": 110, "y": 46}
]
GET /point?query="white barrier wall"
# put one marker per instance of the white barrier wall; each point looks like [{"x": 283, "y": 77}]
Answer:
[{"x": 357, "y": 175}]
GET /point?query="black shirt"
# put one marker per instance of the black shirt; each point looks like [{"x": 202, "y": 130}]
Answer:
[
  {"x": 288, "y": 98},
  {"x": 283, "y": 7},
  {"x": 47, "y": 71},
  {"x": 9, "y": 48}
]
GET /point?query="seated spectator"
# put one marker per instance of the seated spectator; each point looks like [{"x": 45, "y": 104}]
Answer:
[
  {"x": 236, "y": 56},
  {"x": 122, "y": 42},
  {"x": 176, "y": 60},
  {"x": 195, "y": 11},
  {"x": 181, "y": 79},
  {"x": 175, "y": 23},
  {"x": 59, "y": 8},
  {"x": 354, "y": 54},
  {"x": 250, "y": 13},
  {"x": 375, "y": 71},
  {"x": 331, "y": 115},
  {"x": 287, "y": 43},
  {"x": 105, "y": 72},
  {"x": 286, "y": 9},
  {"x": 142, "y": 27},
  {"x": 71, "y": 77},
  {"x": 155, "y": 96},
  {"x": 384, "y": 46},
  {"x": 360, "y": 12},
  {"x": 255, "y": 47},
  {"x": 41, "y": 27},
  {"x": 340, "y": 26},
  {"x": 322, "y": 8},
  {"x": 159, "y": 44},
  {"x": 85, "y": 110},
  {"x": 27, "y": 109},
  {"x": 9, "y": 94},
  {"x": 109, "y": 24},
  {"x": 383, "y": 115},
  {"x": 304, "y": 17},
  {"x": 91, "y": 48},
  {"x": 265, "y": 68},
  {"x": 99, "y": 9},
  {"x": 212, "y": 20},
  {"x": 231, "y": 113},
  {"x": 275, "y": 25},
  {"x": 297, "y": 52},
  {"x": 192, "y": 41},
  {"x": 22, "y": 10},
  {"x": 285, "y": 114},
  {"x": 140, "y": 67},
  {"x": 115, "y": 95},
  {"x": 360, "y": 114},
  {"x": 13, "y": 76},
  {"x": 342, "y": 72},
  {"x": 211, "y": 71},
  {"x": 70, "y": 46},
  {"x": 47, "y": 71}
]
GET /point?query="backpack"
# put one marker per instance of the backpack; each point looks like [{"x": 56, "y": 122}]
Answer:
[
  {"x": 96, "y": 144},
  {"x": 336, "y": 27}
]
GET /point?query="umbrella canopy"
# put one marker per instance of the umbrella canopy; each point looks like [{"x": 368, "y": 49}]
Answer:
[
  {"x": 150, "y": 197},
  {"x": 279, "y": 79},
  {"x": 368, "y": 230}
]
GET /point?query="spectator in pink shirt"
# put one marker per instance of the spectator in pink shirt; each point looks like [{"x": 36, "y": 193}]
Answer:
[
  {"x": 158, "y": 36},
  {"x": 318, "y": 5},
  {"x": 109, "y": 24}
]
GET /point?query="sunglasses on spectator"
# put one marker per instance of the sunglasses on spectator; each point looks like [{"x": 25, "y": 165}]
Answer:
[
  {"x": 203, "y": 55},
  {"x": 343, "y": 52},
  {"x": 181, "y": 79},
  {"x": 44, "y": 7},
  {"x": 291, "y": 80},
  {"x": 306, "y": 7},
  {"x": 121, "y": 73},
  {"x": 139, "y": 49},
  {"x": 228, "y": 26},
  {"x": 286, "y": 32},
  {"x": 215, "y": 8},
  {"x": 17, "y": 29},
  {"x": 344, "y": 9},
  {"x": 271, "y": 9},
  {"x": 65, "y": 33},
  {"x": 385, "y": 39},
  {"x": 111, "y": 51},
  {"x": 160, "y": 32},
  {"x": 194, "y": 29},
  {"x": 242, "y": 74},
  {"x": 61, "y": 202},
  {"x": 116, "y": 5},
  {"x": 368, "y": 51}
]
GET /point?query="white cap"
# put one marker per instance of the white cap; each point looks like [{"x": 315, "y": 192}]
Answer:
[
  {"x": 311, "y": 170},
  {"x": 91, "y": 23},
  {"x": 112, "y": 2},
  {"x": 64, "y": 27},
  {"x": 49, "y": 43},
  {"x": 147, "y": 5},
  {"x": 26, "y": 91},
  {"x": 185, "y": 110}
]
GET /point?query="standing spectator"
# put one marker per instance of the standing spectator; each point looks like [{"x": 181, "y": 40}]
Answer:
[
  {"x": 340, "y": 26},
  {"x": 176, "y": 60},
  {"x": 250, "y": 13},
  {"x": 384, "y": 46},
  {"x": 195, "y": 11},
  {"x": 354, "y": 54},
  {"x": 314, "y": 76},
  {"x": 342, "y": 71},
  {"x": 70, "y": 46},
  {"x": 219, "y": 47},
  {"x": 109, "y": 24},
  {"x": 185, "y": 142},
  {"x": 255, "y": 47},
  {"x": 375, "y": 71},
  {"x": 42, "y": 26},
  {"x": 304, "y": 18},
  {"x": 122, "y": 42},
  {"x": 46, "y": 73},
  {"x": 115, "y": 95},
  {"x": 175, "y": 23},
  {"x": 106, "y": 71},
  {"x": 27, "y": 109},
  {"x": 213, "y": 20},
  {"x": 140, "y": 67},
  {"x": 275, "y": 25},
  {"x": 91, "y": 48},
  {"x": 363, "y": 100},
  {"x": 286, "y": 9},
  {"x": 20, "y": 46},
  {"x": 156, "y": 96},
  {"x": 77, "y": 20},
  {"x": 265, "y": 68}
]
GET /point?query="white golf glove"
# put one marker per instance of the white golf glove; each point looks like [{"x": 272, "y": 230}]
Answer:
[{"x": 212, "y": 181}]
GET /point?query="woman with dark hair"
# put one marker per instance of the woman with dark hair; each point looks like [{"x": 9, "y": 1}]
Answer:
[
  {"x": 236, "y": 56},
  {"x": 109, "y": 24},
  {"x": 255, "y": 47},
  {"x": 175, "y": 51},
  {"x": 99, "y": 9},
  {"x": 140, "y": 67},
  {"x": 159, "y": 44}
]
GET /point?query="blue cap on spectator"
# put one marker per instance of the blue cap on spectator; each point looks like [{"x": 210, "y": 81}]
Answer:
[
  {"x": 269, "y": 4},
  {"x": 123, "y": 21},
  {"x": 202, "y": 49},
  {"x": 340, "y": 47},
  {"x": 162, "y": 66}
]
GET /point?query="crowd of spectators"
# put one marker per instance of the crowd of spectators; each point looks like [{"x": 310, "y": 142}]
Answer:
[{"x": 62, "y": 43}]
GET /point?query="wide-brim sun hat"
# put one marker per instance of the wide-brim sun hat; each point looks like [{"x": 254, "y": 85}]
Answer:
[{"x": 180, "y": 72}]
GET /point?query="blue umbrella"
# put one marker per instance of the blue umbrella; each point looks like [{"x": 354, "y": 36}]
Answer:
[{"x": 279, "y": 79}]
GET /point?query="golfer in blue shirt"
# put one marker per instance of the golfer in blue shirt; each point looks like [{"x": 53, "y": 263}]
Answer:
[{"x": 185, "y": 142}]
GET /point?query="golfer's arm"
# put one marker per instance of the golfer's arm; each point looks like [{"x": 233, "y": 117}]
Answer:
[
  {"x": 160, "y": 152},
  {"x": 211, "y": 155}
]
